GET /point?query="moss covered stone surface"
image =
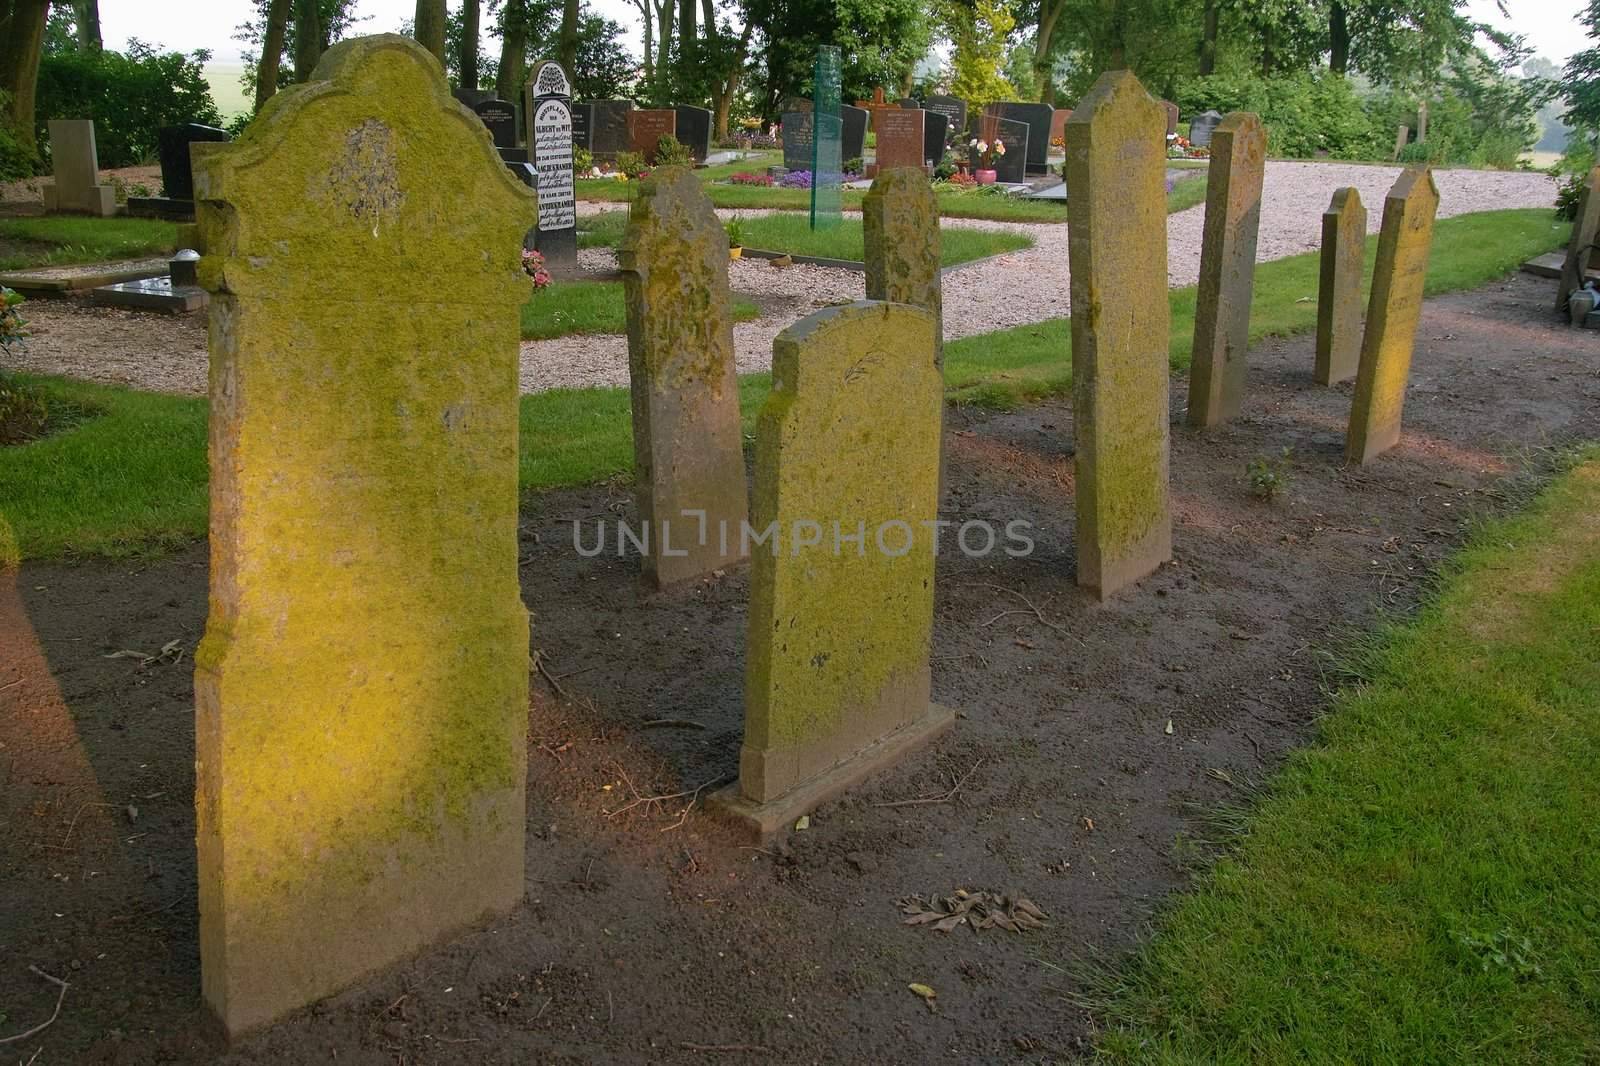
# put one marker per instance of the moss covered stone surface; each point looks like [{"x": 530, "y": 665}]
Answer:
[
  {"x": 362, "y": 684},
  {"x": 1344, "y": 257},
  {"x": 900, "y": 218}
]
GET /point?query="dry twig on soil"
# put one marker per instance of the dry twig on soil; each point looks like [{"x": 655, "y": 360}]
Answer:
[
  {"x": 946, "y": 798},
  {"x": 42, "y": 1026}
]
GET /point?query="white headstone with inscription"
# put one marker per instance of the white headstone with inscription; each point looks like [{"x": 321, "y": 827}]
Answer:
[{"x": 547, "y": 101}]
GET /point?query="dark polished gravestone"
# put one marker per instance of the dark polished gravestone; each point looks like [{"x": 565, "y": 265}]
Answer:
[
  {"x": 935, "y": 130},
  {"x": 1201, "y": 128},
  {"x": 1038, "y": 118},
  {"x": 953, "y": 108},
  {"x": 471, "y": 97},
  {"x": 501, "y": 118},
  {"x": 901, "y": 134},
  {"x": 175, "y": 293},
  {"x": 1011, "y": 168},
  {"x": 694, "y": 131},
  {"x": 608, "y": 128},
  {"x": 853, "y": 135},
  {"x": 177, "y": 177},
  {"x": 583, "y": 125},
  {"x": 908, "y": 104},
  {"x": 798, "y": 134}
]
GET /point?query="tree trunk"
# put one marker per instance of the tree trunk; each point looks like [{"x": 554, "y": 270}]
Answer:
[
  {"x": 22, "y": 25},
  {"x": 86, "y": 13},
  {"x": 647, "y": 16},
  {"x": 513, "y": 49},
  {"x": 728, "y": 88},
  {"x": 1208, "y": 39},
  {"x": 1268, "y": 61},
  {"x": 687, "y": 31},
  {"x": 307, "y": 38},
  {"x": 1049, "y": 13},
  {"x": 271, "y": 51},
  {"x": 664, "y": 14},
  {"x": 567, "y": 42},
  {"x": 471, "y": 10},
  {"x": 1338, "y": 39},
  {"x": 429, "y": 25}
]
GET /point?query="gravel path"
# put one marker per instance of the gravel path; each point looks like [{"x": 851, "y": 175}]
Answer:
[{"x": 1010, "y": 290}]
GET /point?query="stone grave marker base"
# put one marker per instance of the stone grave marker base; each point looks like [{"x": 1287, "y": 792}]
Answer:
[{"x": 153, "y": 294}]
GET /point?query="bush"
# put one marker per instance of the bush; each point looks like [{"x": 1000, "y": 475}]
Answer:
[
  {"x": 631, "y": 164},
  {"x": 1304, "y": 113},
  {"x": 1569, "y": 194},
  {"x": 582, "y": 160},
  {"x": 130, "y": 97},
  {"x": 15, "y": 160},
  {"x": 671, "y": 152}
]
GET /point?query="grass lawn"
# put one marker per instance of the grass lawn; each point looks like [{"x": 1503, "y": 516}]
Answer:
[
  {"x": 65, "y": 239},
  {"x": 568, "y": 307},
  {"x": 136, "y": 476},
  {"x": 1422, "y": 884},
  {"x": 1188, "y": 191}
]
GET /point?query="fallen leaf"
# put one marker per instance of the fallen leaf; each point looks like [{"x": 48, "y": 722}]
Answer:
[
  {"x": 1169, "y": 727},
  {"x": 922, "y": 990},
  {"x": 803, "y": 823}
]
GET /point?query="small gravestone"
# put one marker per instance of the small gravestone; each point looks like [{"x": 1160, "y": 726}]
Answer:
[
  {"x": 853, "y": 132},
  {"x": 908, "y": 103},
  {"x": 1172, "y": 116},
  {"x": 1227, "y": 270},
  {"x": 1200, "y": 128},
  {"x": 1058, "y": 126},
  {"x": 1393, "y": 311},
  {"x": 177, "y": 178},
  {"x": 798, "y": 137},
  {"x": 953, "y": 108},
  {"x": 362, "y": 686},
  {"x": 900, "y": 139},
  {"x": 583, "y": 126},
  {"x": 548, "y": 103},
  {"x": 694, "y": 131},
  {"x": 837, "y": 682},
  {"x": 1038, "y": 117},
  {"x": 471, "y": 97},
  {"x": 1117, "y": 215},
  {"x": 500, "y": 116},
  {"x": 1011, "y": 168},
  {"x": 178, "y": 292},
  {"x": 1585, "y": 231},
  {"x": 646, "y": 128},
  {"x": 934, "y": 131},
  {"x": 609, "y": 133},
  {"x": 900, "y": 220},
  {"x": 1344, "y": 251},
  {"x": 76, "y": 166},
  {"x": 687, "y": 445}
]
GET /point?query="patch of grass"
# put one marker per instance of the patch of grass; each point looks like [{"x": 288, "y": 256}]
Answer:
[
  {"x": 61, "y": 240},
  {"x": 1188, "y": 191},
  {"x": 1423, "y": 883},
  {"x": 568, "y": 307},
  {"x": 793, "y": 233}
]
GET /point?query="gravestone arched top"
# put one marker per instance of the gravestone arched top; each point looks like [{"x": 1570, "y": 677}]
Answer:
[
  {"x": 367, "y": 179},
  {"x": 549, "y": 79}
]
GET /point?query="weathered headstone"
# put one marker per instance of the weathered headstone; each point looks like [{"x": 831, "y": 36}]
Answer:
[
  {"x": 1344, "y": 251},
  {"x": 362, "y": 687},
  {"x": 853, "y": 132},
  {"x": 837, "y": 679},
  {"x": 1227, "y": 270},
  {"x": 693, "y": 130},
  {"x": 1117, "y": 248},
  {"x": 548, "y": 104},
  {"x": 1585, "y": 231},
  {"x": 900, "y": 138},
  {"x": 609, "y": 132},
  {"x": 1038, "y": 118},
  {"x": 900, "y": 219},
  {"x": 1422, "y": 122},
  {"x": 1012, "y": 167},
  {"x": 1402, "y": 134},
  {"x": 1393, "y": 311},
  {"x": 647, "y": 126},
  {"x": 177, "y": 179},
  {"x": 953, "y": 108},
  {"x": 500, "y": 116},
  {"x": 76, "y": 166},
  {"x": 687, "y": 445},
  {"x": 1172, "y": 116},
  {"x": 933, "y": 137},
  {"x": 798, "y": 139},
  {"x": 1200, "y": 128}
]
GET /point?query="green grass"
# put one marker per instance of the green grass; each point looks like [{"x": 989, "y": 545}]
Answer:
[
  {"x": 136, "y": 476},
  {"x": 66, "y": 239},
  {"x": 568, "y": 307},
  {"x": 1422, "y": 884},
  {"x": 1188, "y": 191}
]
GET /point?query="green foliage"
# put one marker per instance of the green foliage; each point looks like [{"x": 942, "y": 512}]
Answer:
[
  {"x": 978, "y": 31},
  {"x": 582, "y": 160},
  {"x": 735, "y": 231},
  {"x": 631, "y": 163},
  {"x": 12, "y": 326},
  {"x": 1268, "y": 476},
  {"x": 604, "y": 67},
  {"x": 1304, "y": 113},
  {"x": 1569, "y": 195},
  {"x": 1580, "y": 80},
  {"x": 15, "y": 160},
  {"x": 336, "y": 18},
  {"x": 129, "y": 95},
  {"x": 881, "y": 41},
  {"x": 670, "y": 152}
]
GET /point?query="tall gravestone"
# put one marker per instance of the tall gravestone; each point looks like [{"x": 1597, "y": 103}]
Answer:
[
  {"x": 547, "y": 101},
  {"x": 1227, "y": 270},
  {"x": 500, "y": 116},
  {"x": 900, "y": 220},
  {"x": 1058, "y": 126},
  {"x": 798, "y": 128},
  {"x": 609, "y": 132},
  {"x": 954, "y": 110},
  {"x": 692, "y": 127},
  {"x": 900, "y": 138},
  {"x": 1038, "y": 118},
  {"x": 1201, "y": 128},
  {"x": 174, "y": 148},
  {"x": 934, "y": 130},
  {"x": 362, "y": 687},
  {"x": 827, "y": 134},
  {"x": 852, "y": 132},
  {"x": 1585, "y": 231},
  {"x": 1012, "y": 167},
  {"x": 1117, "y": 247},
  {"x": 1344, "y": 257},
  {"x": 583, "y": 126},
  {"x": 1393, "y": 311},
  {"x": 76, "y": 166},
  {"x": 837, "y": 679},
  {"x": 687, "y": 447}
]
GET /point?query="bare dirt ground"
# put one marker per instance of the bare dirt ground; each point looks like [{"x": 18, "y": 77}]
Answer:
[{"x": 650, "y": 935}]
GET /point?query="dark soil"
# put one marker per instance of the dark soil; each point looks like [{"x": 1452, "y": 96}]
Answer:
[{"x": 1092, "y": 739}]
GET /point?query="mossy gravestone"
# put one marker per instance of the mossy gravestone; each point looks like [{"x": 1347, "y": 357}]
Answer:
[
  {"x": 841, "y": 595},
  {"x": 1227, "y": 269},
  {"x": 687, "y": 448},
  {"x": 1344, "y": 251},
  {"x": 1585, "y": 231},
  {"x": 901, "y": 221},
  {"x": 362, "y": 686},
  {"x": 1393, "y": 312},
  {"x": 1117, "y": 244}
]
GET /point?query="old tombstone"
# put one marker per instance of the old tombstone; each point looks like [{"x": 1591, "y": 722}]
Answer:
[
  {"x": 798, "y": 139},
  {"x": 1227, "y": 270},
  {"x": 687, "y": 446},
  {"x": 1038, "y": 118},
  {"x": 900, "y": 138},
  {"x": 1393, "y": 311},
  {"x": 934, "y": 136},
  {"x": 1344, "y": 250},
  {"x": 1585, "y": 231},
  {"x": 647, "y": 126},
  {"x": 953, "y": 108},
  {"x": 177, "y": 179},
  {"x": 853, "y": 132},
  {"x": 547, "y": 101},
  {"x": 1200, "y": 128},
  {"x": 500, "y": 116},
  {"x": 1011, "y": 168},
  {"x": 76, "y": 166},
  {"x": 837, "y": 680},
  {"x": 900, "y": 219},
  {"x": 1402, "y": 135},
  {"x": 693, "y": 130},
  {"x": 1117, "y": 248},
  {"x": 362, "y": 687},
  {"x": 583, "y": 126},
  {"x": 1422, "y": 122},
  {"x": 1172, "y": 116},
  {"x": 609, "y": 132}
]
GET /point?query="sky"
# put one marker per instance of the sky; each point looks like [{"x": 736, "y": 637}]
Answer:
[{"x": 1551, "y": 26}]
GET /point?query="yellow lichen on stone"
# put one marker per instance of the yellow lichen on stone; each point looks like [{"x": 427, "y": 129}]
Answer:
[
  {"x": 1117, "y": 243},
  {"x": 900, "y": 219},
  {"x": 847, "y": 444},
  {"x": 361, "y": 689},
  {"x": 1344, "y": 258},
  {"x": 1393, "y": 311}
]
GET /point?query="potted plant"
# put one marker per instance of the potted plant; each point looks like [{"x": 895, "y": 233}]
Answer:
[
  {"x": 988, "y": 153},
  {"x": 735, "y": 237}
]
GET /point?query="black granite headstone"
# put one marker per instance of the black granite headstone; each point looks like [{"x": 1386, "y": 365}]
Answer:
[
  {"x": 501, "y": 118},
  {"x": 908, "y": 104},
  {"x": 1038, "y": 117},
  {"x": 934, "y": 127},
  {"x": 694, "y": 131},
  {"x": 853, "y": 139},
  {"x": 177, "y": 179},
  {"x": 583, "y": 126},
  {"x": 471, "y": 97},
  {"x": 608, "y": 128},
  {"x": 1013, "y": 166},
  {"x": 953, "y": 108},
  {"x": 1201, "y": 128},
  {"x": 797, "y": 137}
]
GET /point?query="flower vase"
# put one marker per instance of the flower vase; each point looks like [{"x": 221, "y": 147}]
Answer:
[{"x": 986, "y": 177}]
